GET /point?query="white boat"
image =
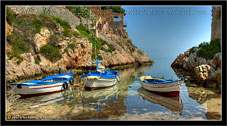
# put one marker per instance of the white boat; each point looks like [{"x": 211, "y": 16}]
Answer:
[
  {"x": 161, "y": 85},
  {"x": 173, "y": 103},
  {"x": 50, "y": 84},
  {"x": 100, "y": 78}
]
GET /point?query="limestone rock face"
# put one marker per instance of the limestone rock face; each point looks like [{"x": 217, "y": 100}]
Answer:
[
  {"x": 27, "y": 68},
  {"x": 216, "y": 62},
  {"x": 140, "y": 56},
  {"x": 42, "y": 38},
  {"x": 214, "y": 79},
  {"x": 202, "y": 72},
  {"x": 208, "y": 72}
]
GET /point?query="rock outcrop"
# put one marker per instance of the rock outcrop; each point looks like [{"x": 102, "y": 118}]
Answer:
[
  {"x": 202, "y": 72},
  {"x": 207, "y": 71}
]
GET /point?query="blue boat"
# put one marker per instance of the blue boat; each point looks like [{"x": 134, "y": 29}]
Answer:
[
  {"x": 161, "y": 85},
  {"x": 100, "y": 78},
  {"x": 50, "y": 84}
]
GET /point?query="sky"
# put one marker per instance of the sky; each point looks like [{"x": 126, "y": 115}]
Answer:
[{"x": 167, "y": 31}]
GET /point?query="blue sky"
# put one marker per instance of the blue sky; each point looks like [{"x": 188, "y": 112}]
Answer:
[{"x": 167, "y": 31}]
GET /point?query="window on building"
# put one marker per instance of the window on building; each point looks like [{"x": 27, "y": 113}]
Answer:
[{"x": 117, "y": 18}]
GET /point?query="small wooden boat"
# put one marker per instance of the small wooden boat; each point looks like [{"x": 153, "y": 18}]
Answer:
[
  {"x": 161, "y": 85},
  {"x": 173, "y": 103},
  {"x": 100, "y": 78},
  {"x": 50, "y": 84}
]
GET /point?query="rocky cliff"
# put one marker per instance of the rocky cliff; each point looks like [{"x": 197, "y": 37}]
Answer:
[
  {"x": 39, "y": 43},
  {"x": 204, "y": 61}
]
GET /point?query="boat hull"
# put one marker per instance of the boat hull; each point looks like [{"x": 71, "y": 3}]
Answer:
[
  {"x": 168, "y": 88},
  {"x": 93, "y": 84},
  {"x": 27, "y": 91}
]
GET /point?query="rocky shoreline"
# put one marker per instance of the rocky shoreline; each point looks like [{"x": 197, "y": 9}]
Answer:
[
  {"x": 206, "y": 73},
  {"x": 204, "y": 63}
]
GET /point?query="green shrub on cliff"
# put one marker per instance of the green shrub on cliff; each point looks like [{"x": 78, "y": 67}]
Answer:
[
  {"x": 96, "y": 42},
  {"x": 37, "y": 24},
  {"x": 50, "y": 52},
  {"x": 192, "y": 50},
  {"x": 110, "y": 46},
  {"x": 19, "y": 46},
  {"x": 208, "y": 50},
  {"x": 92, "y": 39},
  {"x": 100, "y": 57},
  {"x": 10, "y": 17},
  {"x": 83, "y": 28},
  {"x": 80, "y": 11},
  {"x": 67, "y": 29},
  {"x": 61, "y": 22},
  {"x": 16, "y": 55}
]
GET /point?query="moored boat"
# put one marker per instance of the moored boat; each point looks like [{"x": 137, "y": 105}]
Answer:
[
  {"x": 100, "y": 78},
  {"x": 50, "y": 84},
  {"x": 161, "y": 85}
]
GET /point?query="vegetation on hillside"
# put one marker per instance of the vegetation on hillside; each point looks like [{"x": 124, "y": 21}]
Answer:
[
  {"x": 50, "y": 52},
  {"x": 80, "y": 11},
  {"x": 18, "y": 44},
  {"x": 192, "y": 50},
  {"x": 96, "y": 42},
  {"x": 208, "y": 50},
  {"x": 24, "y": 29}
]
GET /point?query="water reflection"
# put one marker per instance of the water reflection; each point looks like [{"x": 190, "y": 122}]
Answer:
[
  {"x": 174, "y": 104},
  {"x": 99, "y": 98},
  {"x": 109, "y": 103},
  {"x": 206, "y": 97}
]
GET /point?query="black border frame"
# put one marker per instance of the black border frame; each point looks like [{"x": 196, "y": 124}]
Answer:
[{"x": 100, "y": 2}]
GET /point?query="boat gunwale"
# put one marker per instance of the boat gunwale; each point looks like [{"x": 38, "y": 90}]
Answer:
[{"x": 41, "y": 81}]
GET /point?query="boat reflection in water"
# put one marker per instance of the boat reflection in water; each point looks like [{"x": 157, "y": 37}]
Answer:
[
  {"x": 53, "y": 98},
  {"x": 98, "y": 98},
  {"x": 174, "y": 104}
]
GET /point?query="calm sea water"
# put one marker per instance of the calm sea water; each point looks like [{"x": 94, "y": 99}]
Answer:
[{"x": 125, "y": 101}]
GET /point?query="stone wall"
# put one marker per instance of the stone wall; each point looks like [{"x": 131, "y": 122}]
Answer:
[
  {"x": 59, "y": 12},
  {"x": 107, "y": 14},
  {"x": 216, "y": 28}
]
